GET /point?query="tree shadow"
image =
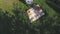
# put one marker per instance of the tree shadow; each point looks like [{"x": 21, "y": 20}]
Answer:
[
  {"x": 4, "y": 23},
  {"x": 54, "y": 5},
  {"x": 23, "y": 1},
  {"x": 48, "y": 27}
]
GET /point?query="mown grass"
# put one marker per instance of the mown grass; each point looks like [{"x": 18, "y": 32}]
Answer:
[
  {"x": 7, "y": 4},
  {"x": 45, "y": 6}
]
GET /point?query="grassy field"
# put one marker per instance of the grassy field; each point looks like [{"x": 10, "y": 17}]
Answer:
[
  {"x": 19, "y": 22},
  {"x": 43, "y": 4},
  {"x": 49, "y": 10},
  {"x": 7, "y": 4}
]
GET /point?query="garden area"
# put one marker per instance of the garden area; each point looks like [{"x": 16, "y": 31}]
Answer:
[{"x": 15, "y": 20}]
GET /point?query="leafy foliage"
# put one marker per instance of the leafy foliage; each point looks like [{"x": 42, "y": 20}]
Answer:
[{"x": 20, "y": 24}]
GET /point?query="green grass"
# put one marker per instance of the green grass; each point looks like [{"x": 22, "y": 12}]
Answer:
[
  {"x": 22, "y": 6},
  {"x": 43, "y": 4},
  {"x": 49, "y": 10},
  {"x": 7, "y": 4}
]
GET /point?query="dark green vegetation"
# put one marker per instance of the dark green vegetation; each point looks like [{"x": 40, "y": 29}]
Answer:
[
  {"x": 55, "y": 4},
  {"x": 16, "y": 21}
]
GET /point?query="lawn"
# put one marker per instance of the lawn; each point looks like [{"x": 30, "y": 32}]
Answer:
[
  {"x": 43, "y": 4},
  {"x": 19, "y": 23},
  {"x": 49, "y": 10},
  {"x": 7, "y": 4}
]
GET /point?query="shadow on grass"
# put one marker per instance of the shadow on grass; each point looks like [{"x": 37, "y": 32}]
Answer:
[
  {"x": 47, "y": 26},
  {"x": 54, "y": 5},
  {"x": 14, "y": 24},
  {"x": 23, "y": 1}
]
